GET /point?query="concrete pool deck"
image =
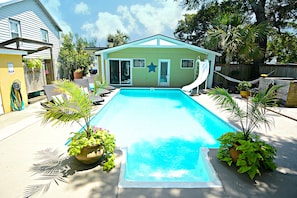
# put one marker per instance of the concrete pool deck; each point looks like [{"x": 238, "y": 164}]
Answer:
[{"x": 22, "y": 136}]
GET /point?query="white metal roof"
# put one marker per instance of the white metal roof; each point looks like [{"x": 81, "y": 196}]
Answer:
[{"x": 158, "y": 41}]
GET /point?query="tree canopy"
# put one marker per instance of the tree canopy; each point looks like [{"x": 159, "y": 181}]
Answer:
[
  {"x": 279, "y": 16},
  {"x": 117, "y": 39},
  {"x": 73, "y": 55},
  {"x": 235, "y": 38}
]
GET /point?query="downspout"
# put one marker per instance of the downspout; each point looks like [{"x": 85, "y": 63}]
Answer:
[
  {"x": 103, "y": 76},
  {"x": 211, "y": 58},
  {"x": 53, "y": 74}
]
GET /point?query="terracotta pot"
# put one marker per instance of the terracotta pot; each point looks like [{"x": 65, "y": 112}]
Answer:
[
  {"x": 90, "y": 154},
  {"x": 234, "y": 153},
  {"x": 245, "y": 94},
  {"x": 77, "y": 75}
]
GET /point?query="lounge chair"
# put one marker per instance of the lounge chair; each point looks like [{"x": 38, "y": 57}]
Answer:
[
  {"x": 85, "y": 84},
  {"x": 52, "y": 94},
  {"x": 92, "y": 79}
]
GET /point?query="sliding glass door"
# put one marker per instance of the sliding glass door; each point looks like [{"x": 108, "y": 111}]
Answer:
[{"x": 120, "y": 72}]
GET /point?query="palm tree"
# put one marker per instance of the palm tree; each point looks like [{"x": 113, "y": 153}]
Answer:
[
  {"x": 76, "y": 107},
  {"x": 71, "y": 109},
  {"x": 235, "y": 38},
  {"x": 254, "y": 114},
  {"x": 250, "y": 154},
  {"x": 117, "y": 39}
]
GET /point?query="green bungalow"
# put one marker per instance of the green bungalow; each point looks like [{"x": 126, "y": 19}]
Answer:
[{"x": 156, "y": 61}]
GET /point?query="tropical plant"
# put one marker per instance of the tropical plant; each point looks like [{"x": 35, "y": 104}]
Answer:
[
  {"x": 78, "y": 70},
  {"x": 244, "y": 86},
  {"x": 117, "y": 39},
  {"x": 254, "y": 155},
  {"x": 76, "y": 107},
  {"x": 73, "y": 55},
  {"x": 280, "y": 16},
  {"x": 283, "y": 46},
  {"x": 254, "y": 114},
  {"x": 235, "y": 37},
  {"x": 33, "y": 63},
  {"x": 193, "y": 28},
  {"x": 264, "y": 18}
]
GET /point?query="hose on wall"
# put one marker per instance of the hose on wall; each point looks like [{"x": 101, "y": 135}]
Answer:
[{"x": 16, "y": 99}]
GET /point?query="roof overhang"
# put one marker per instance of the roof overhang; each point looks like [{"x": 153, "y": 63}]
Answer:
[
  {"x": 39, "y": 46},
  {"x": 13, "y": 52},
  {"x": 158, "y": 41}
]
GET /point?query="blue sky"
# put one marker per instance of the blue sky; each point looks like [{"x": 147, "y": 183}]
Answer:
[{"x": 98, "y": 18}]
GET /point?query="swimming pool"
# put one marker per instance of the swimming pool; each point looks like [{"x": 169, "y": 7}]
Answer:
[{"x": 164, "y": 135}]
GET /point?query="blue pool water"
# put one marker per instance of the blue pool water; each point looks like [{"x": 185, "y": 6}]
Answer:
[{"x": 162, "y": 131}]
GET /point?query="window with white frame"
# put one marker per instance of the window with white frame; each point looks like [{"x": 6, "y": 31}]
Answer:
[
  {"x": 15, "y": 28},
  {"x": 44, "y": 35},
  {"x": 138, "y": 62},
  {"x": 187, "y": 63}
]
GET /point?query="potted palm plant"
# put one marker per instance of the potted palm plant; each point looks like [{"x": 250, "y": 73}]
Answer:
[
  {"x": 244, "y": 148},
  {"x": 244, "y": 88},
  {"x": 90, "y": 144}
]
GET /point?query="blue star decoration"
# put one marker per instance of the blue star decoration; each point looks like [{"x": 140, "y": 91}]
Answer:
[{"x": 152, "y": 67}]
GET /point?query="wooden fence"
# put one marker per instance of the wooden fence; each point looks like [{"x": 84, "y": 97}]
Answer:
[{"x": 244, "y": 72}]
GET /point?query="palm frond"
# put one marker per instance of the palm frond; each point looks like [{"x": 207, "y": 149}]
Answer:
[
  {"x": 50, "y": 169},
  {"x": 71, "y": 108},
  {"x": 226, "y": 102},
  {"x": 48, "y": 153},
  {"x": 267, "y": 98},
  {"x": 34, "y": 189},
  {"x": 255, "y": 114}
]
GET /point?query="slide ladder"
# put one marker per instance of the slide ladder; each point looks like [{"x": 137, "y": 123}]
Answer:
[{"x": 202, "y": 76}]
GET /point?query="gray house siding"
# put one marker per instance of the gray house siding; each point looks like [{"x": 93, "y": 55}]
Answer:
[{"x": 32, "y": 19}]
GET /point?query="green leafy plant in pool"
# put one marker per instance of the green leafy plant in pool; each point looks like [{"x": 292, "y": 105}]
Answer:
[{"x": 244, "y": 148}]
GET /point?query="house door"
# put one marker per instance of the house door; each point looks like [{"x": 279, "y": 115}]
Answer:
[
  {"x": 164, "y": 72},
  {"x": 49, "y": 71},
  {"x": 120, "y": 72}
]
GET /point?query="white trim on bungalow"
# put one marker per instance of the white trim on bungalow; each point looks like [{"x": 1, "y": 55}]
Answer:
[{"x": 161, "y": 41}]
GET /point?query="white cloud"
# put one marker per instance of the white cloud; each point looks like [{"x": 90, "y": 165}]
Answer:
[
  {"x": 53, "y": 7},
  {"x": 157, "y": 17},
  {"x": 127, "y": 18},
  {"x": 105, "y": 24},
  {"x": 81, "y": 8}
]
